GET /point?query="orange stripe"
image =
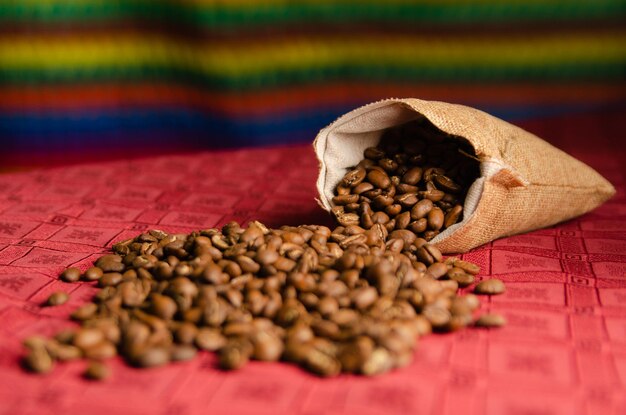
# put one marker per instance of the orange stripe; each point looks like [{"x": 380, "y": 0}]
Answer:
[{"x": 97, "y": 97}]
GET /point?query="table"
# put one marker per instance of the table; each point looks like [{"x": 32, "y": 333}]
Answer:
[{"x": 563, "y": 351}]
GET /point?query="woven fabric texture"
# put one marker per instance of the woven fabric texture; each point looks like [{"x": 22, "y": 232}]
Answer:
[{"x": 563, "y": 351}]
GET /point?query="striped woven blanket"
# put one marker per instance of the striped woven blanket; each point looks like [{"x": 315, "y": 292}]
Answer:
[{"x": 108, "y": 78}]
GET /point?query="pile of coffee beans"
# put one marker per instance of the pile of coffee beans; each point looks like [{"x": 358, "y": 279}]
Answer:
[
  {"x": 415, "y": 179},
  {"x": 354, "y": 299}
]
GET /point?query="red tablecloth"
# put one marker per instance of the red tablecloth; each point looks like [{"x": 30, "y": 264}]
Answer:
[{"x": 563, "y": 351}]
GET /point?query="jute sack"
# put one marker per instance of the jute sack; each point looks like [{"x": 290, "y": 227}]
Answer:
[{"x": 524, "y": 184}]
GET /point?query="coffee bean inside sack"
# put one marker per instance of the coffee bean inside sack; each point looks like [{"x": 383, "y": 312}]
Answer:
[
  {"x": 415, "y": 179},
  {"x": 350, "y": 300}
]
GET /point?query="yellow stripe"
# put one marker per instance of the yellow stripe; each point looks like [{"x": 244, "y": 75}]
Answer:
[{"x": 246, "y": 59}]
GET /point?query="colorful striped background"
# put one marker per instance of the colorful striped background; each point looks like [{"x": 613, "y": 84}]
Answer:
[{"x": 85, "y": 80}]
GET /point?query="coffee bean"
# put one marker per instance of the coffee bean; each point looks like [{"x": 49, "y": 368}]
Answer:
[
  {"x": 100, "y": 351},
  {"x": 234, "y": 355},
  {"x": 412, "y": 176},
  {"x": 354, "y": 177},
  {"x": 446, "y": 183},
  {"x": 468, "y": 267},
  {"x": 379, "y": 361},
  {"x": 210, "y": 339},
  {"x": 71, "y": 275},
  {"x": 374, "y": 153},
  {"x": 57, "y": 298},
  {"x": 38, "y": 360},
  {"x": 491, "y": 286},
  {"x": 85, "y": 312},
  {"x": 362, "y": 187},
  {"x": 152, "y": 357},
  {"x": 490, "y": 320},
  {"x": 63, "y": 352},
  {"x": 321, "y": 363},
  {"x": 182, "y": 352},
  {"x": 421, "y": 209},
  {"x": 438, "y": 317},
  {"x": 379, "y": 179},
  {"x": 435, "y": 219},
  {"x": 452, "y": 216},
  {"x": 93, "y": 274},
  {"x": 97, "y": 371},
  {"x": 87, "y": 337},
  {"x": 110, "y": 263},
  {"x": 438, "y": 270},
  {"x": 186, "y": 333},
  {"x": 345, "y": 199},
  {"x": 364, "y": 297},
  {"x": 267, "y": 347},
  {"x": 110, "y": 279},
  {"x": 460, "y": 276}
]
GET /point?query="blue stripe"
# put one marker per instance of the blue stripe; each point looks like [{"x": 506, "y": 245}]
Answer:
[{"x": 119, "y": 127}]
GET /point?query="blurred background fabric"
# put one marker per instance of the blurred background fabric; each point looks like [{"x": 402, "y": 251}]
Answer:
[{"x": 87, "y": 80}]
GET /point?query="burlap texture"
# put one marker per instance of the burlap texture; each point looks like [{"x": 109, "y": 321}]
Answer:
[{"x": 525, "y": 182}]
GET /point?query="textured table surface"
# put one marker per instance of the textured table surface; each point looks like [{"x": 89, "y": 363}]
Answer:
[{"x": 563, "y": 352}]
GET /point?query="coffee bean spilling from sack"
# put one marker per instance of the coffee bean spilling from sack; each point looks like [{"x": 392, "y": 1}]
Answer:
[
  {"x": 348, "y": 300},
  {"x": 415, "y": 179}
]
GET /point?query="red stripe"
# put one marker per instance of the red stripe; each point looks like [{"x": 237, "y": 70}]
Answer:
[{"x": 112, "y": 96}]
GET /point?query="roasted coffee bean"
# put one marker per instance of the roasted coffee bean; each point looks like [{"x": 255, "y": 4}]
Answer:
[
  {"x": 70, "y": 275},
  {"x": 374, "y": 153},
  {"x": 100, "y": 351},
  {"x": 379, "y": 179},
  {"x": 186, "y": 333},
  {"x": 93, "y": 274},
  {"x": 234, "y": 355},
  {"x": 459, "y": 275},
  {"x": 362, "y": 187},
  {"x": 412, "y": 176},
  {"x": 182, "y": 352},
  {"x": 57, "y": 298},
  {"x": 110, "y": 263},
  {"x": 437, "y": 270},
  {"x": 446, "y": 183},
  {"x": 490, "y": 320},
  {"x": 63, "y": 352},
  {"x": 452, "y": 216},
  {"x": 267, "y": 347},
  {"x": 435, "y": 219},
  {"x": 321, "y": 363},
  {"x": 345, "y": 199},
  {"x": 379, "y": 361},
  {"x": 88, "y": 337},
  {"x": 110, "y": 279},
  {"x": 152, "y": 357},
  {"x": 354, "y": 177},
  {"x": 85, "y": 312},
  {"x": 39, "y": 360},
  {"x": 468, "y": 267},
  {"x": 210, "y": 339},
  {"x": 491, "y": 286},
  {"x": 97, "y": 371}
]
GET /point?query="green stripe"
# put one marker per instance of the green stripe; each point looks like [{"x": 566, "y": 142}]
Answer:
[
  {"x": 604, "y": 71},
  {"x": 225, "y": 16}
]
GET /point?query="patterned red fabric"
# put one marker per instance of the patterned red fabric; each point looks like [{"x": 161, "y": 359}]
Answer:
[{"x": 563, "y": 351}]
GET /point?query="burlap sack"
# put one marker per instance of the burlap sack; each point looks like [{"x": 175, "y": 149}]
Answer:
[{"x": 525, "y": 183}]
